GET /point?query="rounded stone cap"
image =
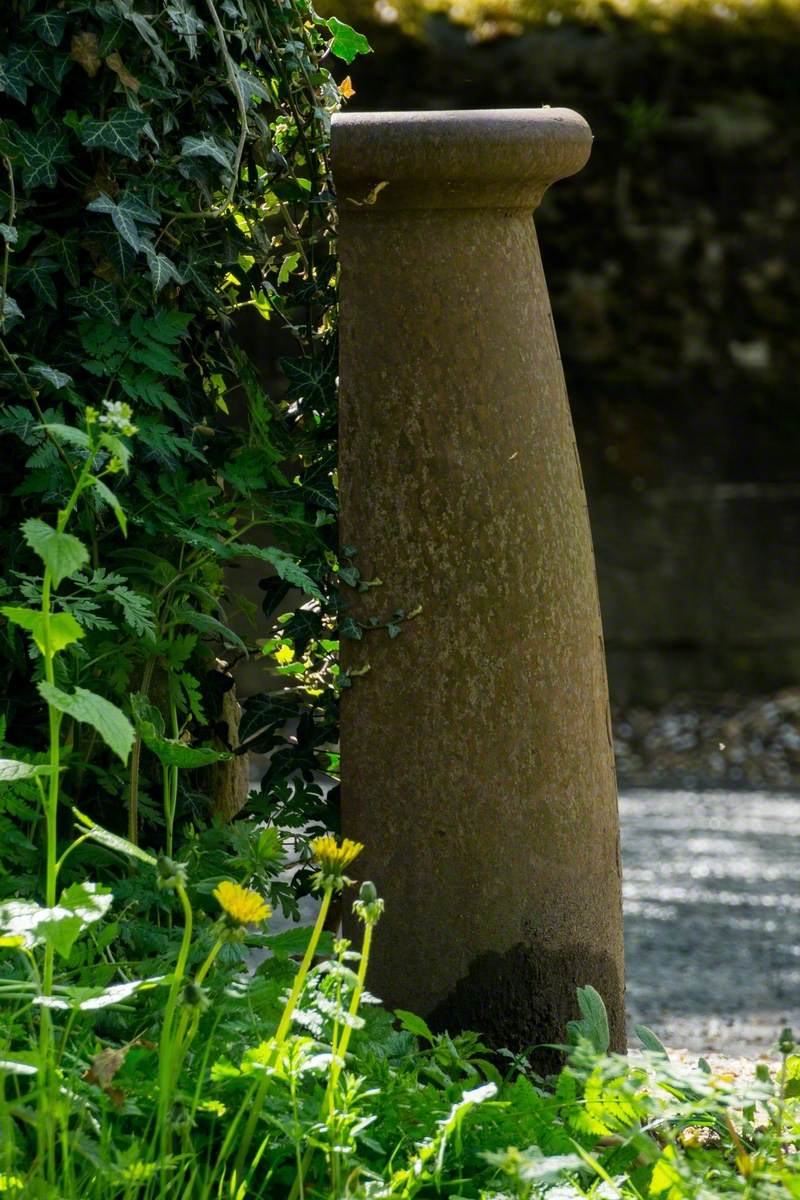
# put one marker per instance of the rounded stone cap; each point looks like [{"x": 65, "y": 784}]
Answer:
[{"x": 493, "y": 158}]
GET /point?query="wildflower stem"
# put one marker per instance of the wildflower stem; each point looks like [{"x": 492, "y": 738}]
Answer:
[
  {"x": 285, "y": 1022},
  {"x": 166, "y": 1072}
]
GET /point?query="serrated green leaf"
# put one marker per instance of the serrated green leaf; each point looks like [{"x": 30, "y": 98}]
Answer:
[
  {"x": 64, "y": 629},
  {"x": 67, "y": 434},
  {"x": 119, "y": 132},
  {"x": 110, "y": 722},
  {"x": 413, "y": 1024},
  {"x": 173, "y": 753},
  {"x": 346, "y": 43},
  {"x": 61, "y": 932},
  {"x": 105, "y": 494},
  {"x": 287, "y": 567},
  {"x": 62, "y": 553}
]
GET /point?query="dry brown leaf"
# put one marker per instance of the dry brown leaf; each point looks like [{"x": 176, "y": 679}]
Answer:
[
  {"x": 122, "y": 73},
  {"x": 84, "y": 50},
  {"x": 346, "y": 88},
  {"x": 105, "y": 1065}
]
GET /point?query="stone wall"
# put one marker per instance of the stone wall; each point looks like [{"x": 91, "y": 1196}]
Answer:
[{"x": 672, "y": 266}]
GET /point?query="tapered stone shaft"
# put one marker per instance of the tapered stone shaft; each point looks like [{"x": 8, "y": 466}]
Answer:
[{"x": 477, "y": 760}]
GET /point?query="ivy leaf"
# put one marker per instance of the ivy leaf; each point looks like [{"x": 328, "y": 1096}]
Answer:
[
  {"x": 124, "y": 214},
  {"x": 36, "y": 275},
  {"x": 110, "y": 722},
  {"x": 49, "y": 26},
  {"x": 41, "y": 152},
  {"x": 207, "y": 147},
  {"x": 162, "y": 269},
  {"x": 346, "y": 43},
  {"x": 119, "y": 132},
  {"x": 12, "y": 79},
  {"x": 57, "y": 379},
  {"x": 43, "y": 66},
  {"x": 61, "y": 553},
  {"x": 309, "y": 379},
  {"x": 64, "y": 629},
  {"x": 11, "y": 311},
  {"x": 98, "y": 300},
  {"x": 10, "y": 234}
]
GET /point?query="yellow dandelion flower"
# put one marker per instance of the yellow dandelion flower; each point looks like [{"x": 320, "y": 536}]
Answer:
[
  {"x": 333, "y": 858},
  {"x": 242, "y": 906}
]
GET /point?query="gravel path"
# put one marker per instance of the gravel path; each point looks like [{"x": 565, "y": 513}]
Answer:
[{"x": 712, "y": 917}]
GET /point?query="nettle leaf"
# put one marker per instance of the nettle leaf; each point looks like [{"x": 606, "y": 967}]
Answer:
[
  {"x": 120, "y": 132},
  {"x": 49, "y": 26},
  {"x": 174, "y": 753},
  {"x": 64, "y": 629},
  {"x": 107, "y": 497},
  {"x": 346, "y": 43},
  {"x": 57, "y": 379},
  {"x": 208, "y": 147},
  {"x": 110, "y": 722},
  {"x": 62, "y": 553}
]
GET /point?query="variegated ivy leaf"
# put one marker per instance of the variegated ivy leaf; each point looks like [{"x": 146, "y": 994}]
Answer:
[
  {"x": 9, "y": 233},
  {"x": 42, "y": 151}
]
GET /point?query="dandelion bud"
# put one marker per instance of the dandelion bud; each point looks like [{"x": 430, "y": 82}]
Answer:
[
  {"x": 195, "y": 996},
  {"x": 170, "y": 874},
  {"x": 786, "y": 1042},
  {"x": 368, "y": 906}
]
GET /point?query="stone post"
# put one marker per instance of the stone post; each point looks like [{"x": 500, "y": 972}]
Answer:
[{"x": 477, "y": 760}]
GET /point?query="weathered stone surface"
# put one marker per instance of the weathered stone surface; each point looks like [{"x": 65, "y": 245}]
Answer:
[{"x": 476, "y": 752}]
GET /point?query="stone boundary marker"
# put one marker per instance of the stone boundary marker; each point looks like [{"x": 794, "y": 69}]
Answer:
[{"x": 477, "y": 762}]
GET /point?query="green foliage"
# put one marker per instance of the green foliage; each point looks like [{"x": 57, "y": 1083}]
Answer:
[{"x": 165, "y": 189}]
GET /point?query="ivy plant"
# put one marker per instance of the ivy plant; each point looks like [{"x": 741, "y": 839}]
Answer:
[{"x": 165, "y": 213}]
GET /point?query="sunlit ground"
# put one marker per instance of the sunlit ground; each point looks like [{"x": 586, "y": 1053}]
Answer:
[{"x": 712, "y": 913}]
